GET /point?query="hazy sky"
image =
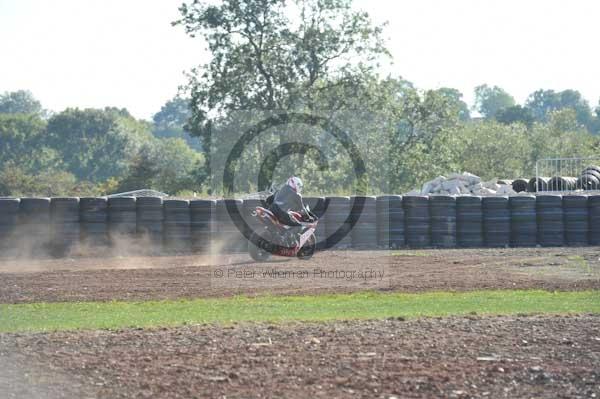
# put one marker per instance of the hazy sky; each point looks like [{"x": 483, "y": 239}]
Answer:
[{"x": 125, "y": 53}]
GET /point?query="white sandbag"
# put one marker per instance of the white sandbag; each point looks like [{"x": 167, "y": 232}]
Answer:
[
  {"x": 426, "y": 189},
  {"x": 465, "y": 190},
  {"x": 474, "y": 187},
  {"x": 471, "y": 178},
  {"x": 492, "y": 185},
  {"x": 505, "y": 189},
  {"x": 436, "y": 188},
  {"x": 454, "y": 190},
  {"x": 485, "y": 192},
  {"x": 413, "y": 192},
  {"x": 450, "y": 184},
  {"x": 466, "y": 177}
]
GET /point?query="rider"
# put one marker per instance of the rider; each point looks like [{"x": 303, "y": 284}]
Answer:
[{"x": 287, "y": 199}]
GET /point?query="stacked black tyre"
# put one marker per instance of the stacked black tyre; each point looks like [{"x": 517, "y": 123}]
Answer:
[
  {"x": 523, "y": 221},
  {"x": 363, "y": 216},
  {"x": 9, "y": 219},
  {"x": 202, "y": 214},
  {"x": 64, "y": 216},
  {"x": 229, "y": 234},
  {"x": 496, "y": 221},
  {"x": 550, "y": 224},
  {"x": 317, "y": 206},
  {"x": 122, "y": 221},
  {"x": 520, "y": 185},
  {"x": 442, "y": 209},
  {"x": 337, "y": 222},
  {"x": 417, "y": 218},
  {"x": 536, "y": 184},
  {"x": 589, "y": 179},
  {"x": 34, "y": 225},
  {"x": 577, "y": 218},
  {"x": 150, "y": 222},
  {"x": 594, "y": 219},
  {"x": 469, "y": 222},
  {"x": 562, "y": 183},
  {"x": 177, "y": 225},
  {"x": 390, "y": 221},
  {"x": 93, "y": 215}
]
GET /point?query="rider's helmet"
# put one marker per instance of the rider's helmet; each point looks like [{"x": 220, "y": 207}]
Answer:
[{"x": 295, "y": 183}]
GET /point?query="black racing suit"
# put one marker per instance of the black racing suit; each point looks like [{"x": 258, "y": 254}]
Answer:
[{"x": 283, "y": 201}]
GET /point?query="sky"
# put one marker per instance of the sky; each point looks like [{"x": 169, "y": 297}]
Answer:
[{"x": 125, "y": 53}]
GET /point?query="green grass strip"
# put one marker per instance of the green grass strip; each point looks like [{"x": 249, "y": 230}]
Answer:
[{"x": 364, "y": 305}]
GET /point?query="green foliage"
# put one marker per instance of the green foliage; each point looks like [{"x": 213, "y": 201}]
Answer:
[
  {"x": 14, "y": 181},
  {"x": 19, "y": 102},
  {"x": 164, "y": 165},
  {"x": 317, "y": 57},
  {"x": 170, "y": 121},
  {"x": 515, "y": 114},
  {"x": 490, "y": 100},
  {"x": 357, "y": 306},
  {"x": 96, "y": 144},
  {"x": 23, "y": 143},
  {"x": 493, "y": 150},
  {"x": 264, "y": 60},
  {"x": 455, "y": 96},
  {"x": 543, "y": 102}
]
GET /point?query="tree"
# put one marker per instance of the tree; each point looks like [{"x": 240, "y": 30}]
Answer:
[
  {"x": 96, "y": 144},
  {"x": 171, "y": 119},
  {"x": 492, "y": 150},
  {"x": 19, "y": 102},
  {"x": 421, "y": 148},
  {"x": 14, "y": 181},
  {"x": 562, "y": 136},
  {"x": 490, "y": 100},
  {"x": 174, "y": 114},
  {"x": 163, "y": 164},
  {"x": 455, "y": 96},
  {"x": 596, "y": 121},
  {"x": 264, "y": 60},
  {"x": 141, "y": 172},
  {"x": 515, "y": 114},
  {"x": 22, "y": 142},
  {"x": 543, "y": 102}
]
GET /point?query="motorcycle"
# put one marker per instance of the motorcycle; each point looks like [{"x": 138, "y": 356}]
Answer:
[{"x": 274, "y": 238}]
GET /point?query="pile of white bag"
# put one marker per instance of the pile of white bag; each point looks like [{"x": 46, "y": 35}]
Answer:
[{"x": 463, "y": 184}]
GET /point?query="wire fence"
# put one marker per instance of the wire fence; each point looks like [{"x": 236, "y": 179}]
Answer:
[{"x": 566, "y": 175}]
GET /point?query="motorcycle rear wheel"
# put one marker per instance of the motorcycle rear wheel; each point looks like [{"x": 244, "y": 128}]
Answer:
[{"x": 255, "y": 251}]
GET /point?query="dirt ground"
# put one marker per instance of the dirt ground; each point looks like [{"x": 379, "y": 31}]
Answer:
[
  {"x": 495, "y": 357},
  {"x": 162, "y": 277},
  {"x": 462, "y": 357}
]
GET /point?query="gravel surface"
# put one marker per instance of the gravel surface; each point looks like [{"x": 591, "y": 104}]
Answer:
[
  {"x": 171, "y": 277},
  {"x": 466, "y": 357}
]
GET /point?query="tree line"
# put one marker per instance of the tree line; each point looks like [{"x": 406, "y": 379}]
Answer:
[
  {"x": 313, "y": 57},
  {"x": 92, "y": 151}
]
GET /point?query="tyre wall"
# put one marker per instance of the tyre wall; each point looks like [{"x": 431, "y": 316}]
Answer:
[
  {"x": 55, "y": 225},
  {"x": 469, "y": 222},
  {"x": 390, "y": 221}
]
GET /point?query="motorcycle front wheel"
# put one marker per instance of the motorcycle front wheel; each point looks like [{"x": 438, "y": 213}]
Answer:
[{"x": 308, "y": 249}]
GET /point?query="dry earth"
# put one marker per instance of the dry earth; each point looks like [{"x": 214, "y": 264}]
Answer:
[
  {"x": 161, "y": 277},
  {"x": 501, "y": 357}
]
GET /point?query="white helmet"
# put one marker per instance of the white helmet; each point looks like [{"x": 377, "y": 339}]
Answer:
[{"x": 295, "y": 183}]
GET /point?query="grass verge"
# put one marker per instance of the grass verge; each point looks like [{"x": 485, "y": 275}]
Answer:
[{"x": 369, "y": 305}]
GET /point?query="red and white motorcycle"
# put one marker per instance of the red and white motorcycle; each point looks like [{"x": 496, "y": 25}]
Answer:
[{"x": 272, "y": 237}]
